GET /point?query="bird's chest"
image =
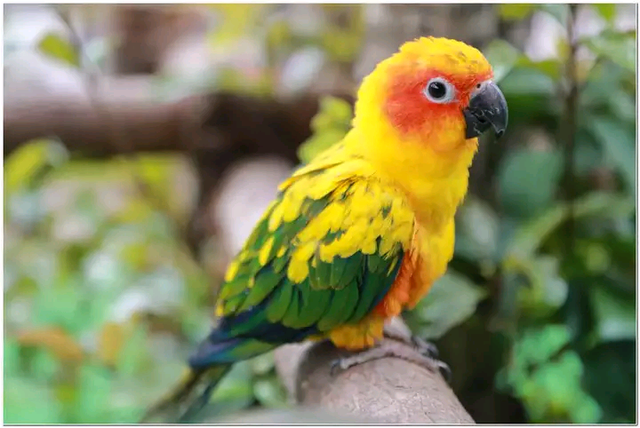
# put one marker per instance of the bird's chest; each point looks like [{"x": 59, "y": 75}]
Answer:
[
  {"x": 432, "y": 250},
  {"x": 424, "y": 262}
]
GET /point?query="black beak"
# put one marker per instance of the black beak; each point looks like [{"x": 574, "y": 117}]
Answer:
[{"x": 487, "y": 108}]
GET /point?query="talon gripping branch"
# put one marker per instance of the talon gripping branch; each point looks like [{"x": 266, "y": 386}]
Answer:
[{"x": 365, "y": 229}]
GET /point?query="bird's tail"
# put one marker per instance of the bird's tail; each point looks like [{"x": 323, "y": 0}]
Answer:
[{"x": 188, "y": 397}]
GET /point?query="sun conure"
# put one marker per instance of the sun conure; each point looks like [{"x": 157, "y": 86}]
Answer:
[{"x": 363, "y": 231}]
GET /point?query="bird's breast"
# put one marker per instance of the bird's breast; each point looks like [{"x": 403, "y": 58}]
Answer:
[{"x": 426, "y": 261}]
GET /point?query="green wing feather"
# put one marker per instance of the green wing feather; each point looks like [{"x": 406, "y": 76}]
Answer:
[{"x": 337, "y": 281}]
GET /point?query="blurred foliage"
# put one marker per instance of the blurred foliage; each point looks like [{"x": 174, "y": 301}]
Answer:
[
  {"x": 329, "y": 125},
  {"x": 60, "y": 49},
  {"x": 103, "y": 301}
]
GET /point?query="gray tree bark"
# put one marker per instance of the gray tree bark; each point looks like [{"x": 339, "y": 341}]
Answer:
[{"x": 390, "y": 389}]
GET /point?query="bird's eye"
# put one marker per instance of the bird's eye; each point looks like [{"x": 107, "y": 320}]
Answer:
[{"x": 438, "y": 90}]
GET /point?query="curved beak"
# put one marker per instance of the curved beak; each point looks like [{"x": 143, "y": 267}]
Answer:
[{"x": 487, "y": 108}]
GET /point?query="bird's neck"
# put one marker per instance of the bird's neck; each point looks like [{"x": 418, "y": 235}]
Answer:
[{"x": 434, "y": 183}]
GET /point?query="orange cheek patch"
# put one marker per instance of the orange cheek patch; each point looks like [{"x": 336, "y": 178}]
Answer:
[{"x": 407, "y": 107}]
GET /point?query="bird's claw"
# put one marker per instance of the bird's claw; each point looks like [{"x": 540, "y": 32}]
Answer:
[
  {"x": 426, "y": 349},
  {"x": 423, "y": 358},
  {"x": 429, "y": 350},
  {"x": 336, "y": 366},
  {"x": 341, "y": 364}
]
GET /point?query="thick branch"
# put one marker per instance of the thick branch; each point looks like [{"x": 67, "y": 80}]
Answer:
[
  {"x": 148, "y": 126},
  {"x": 388, "y": 390},
  {"x": 128, "y": 121}
]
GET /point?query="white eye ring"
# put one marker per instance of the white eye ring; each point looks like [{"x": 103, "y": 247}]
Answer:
[{"x": 439, "y": 90}]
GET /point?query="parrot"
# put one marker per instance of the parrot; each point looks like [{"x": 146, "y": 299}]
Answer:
[{"x": 362, "y": 231}]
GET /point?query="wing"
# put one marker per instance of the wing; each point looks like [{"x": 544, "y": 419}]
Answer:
[{"x": 323, "y": 255}]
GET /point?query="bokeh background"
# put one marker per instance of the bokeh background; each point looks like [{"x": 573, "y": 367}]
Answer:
[{"x": 142, "y": 142}]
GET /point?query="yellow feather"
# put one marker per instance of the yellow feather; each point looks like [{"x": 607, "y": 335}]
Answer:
[
  {"x": 297, "y": 270},
  {"x": 265, "y": 250},
  {"x": 275, "y": 220},
  {"x": 232, "y": 270}
]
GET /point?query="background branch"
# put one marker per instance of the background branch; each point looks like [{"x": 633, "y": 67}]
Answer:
[
  {"x": 149, "y": 126},
  {"x": 570, "y": 126}
]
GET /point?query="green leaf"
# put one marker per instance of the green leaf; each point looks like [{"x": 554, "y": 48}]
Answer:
[
  {"x": 319, "y": 143},
  {"x": 329, "y": 126},
  {"x": 234, "y": 21},
  {"x": 528, "y": 238},
  {"x": 607, "y": 88},
  {"x": 618, "y": 47},
  {"x": 587, "y": 155},
  {"x": 44, "y": 365},
  {"x": 337, "y": 109},
  {"x": 555, "y": 393},
  {"x": 606, "y": 10},
  {"x": 93, "y": 397},
  {"x": 547, "y": 379},
  {"x": 31, "y": 161},
  {"x": 523, "y": 190},
  {"x": 615, "y": 314},
  {"x": 452, "y": 299},
  {"x": 29, "y": 402},
  {"x": 131, "y": 358},
  {"x": 607, "y": 378},
  {"x": 527, "y": 81},
  {"x": 538, "y": 345},
  {"x": 11, "y": 356},
  {"x": 622, "y": 105},
  {"x": 619, "y": 145},
  {"x": 59, "y": 305},
  {"x": 597, "y": 259},
  {"x": 502, "y": 56},
  {"x": 549, "y": 67},
  {"x": 56, "y": 47},
  {"x": 545, "y": 290},
  {"x": 511, "y": 11},
  {"x": 477, "y": 231}
]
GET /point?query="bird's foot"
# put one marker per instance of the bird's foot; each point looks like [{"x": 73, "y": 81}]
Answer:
[
  {"x": 427, "y": 349},
  {"x": 386, "y": 349}
]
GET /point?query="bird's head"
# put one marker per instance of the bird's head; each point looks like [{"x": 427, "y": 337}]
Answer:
[{"x": 424, "y": 106}]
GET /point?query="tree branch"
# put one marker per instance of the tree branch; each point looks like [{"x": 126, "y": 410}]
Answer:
[
  {"x": 74, "y": 120},
  {"x": 388, "y": 390},
  {"x": 569, "y": 129}
]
